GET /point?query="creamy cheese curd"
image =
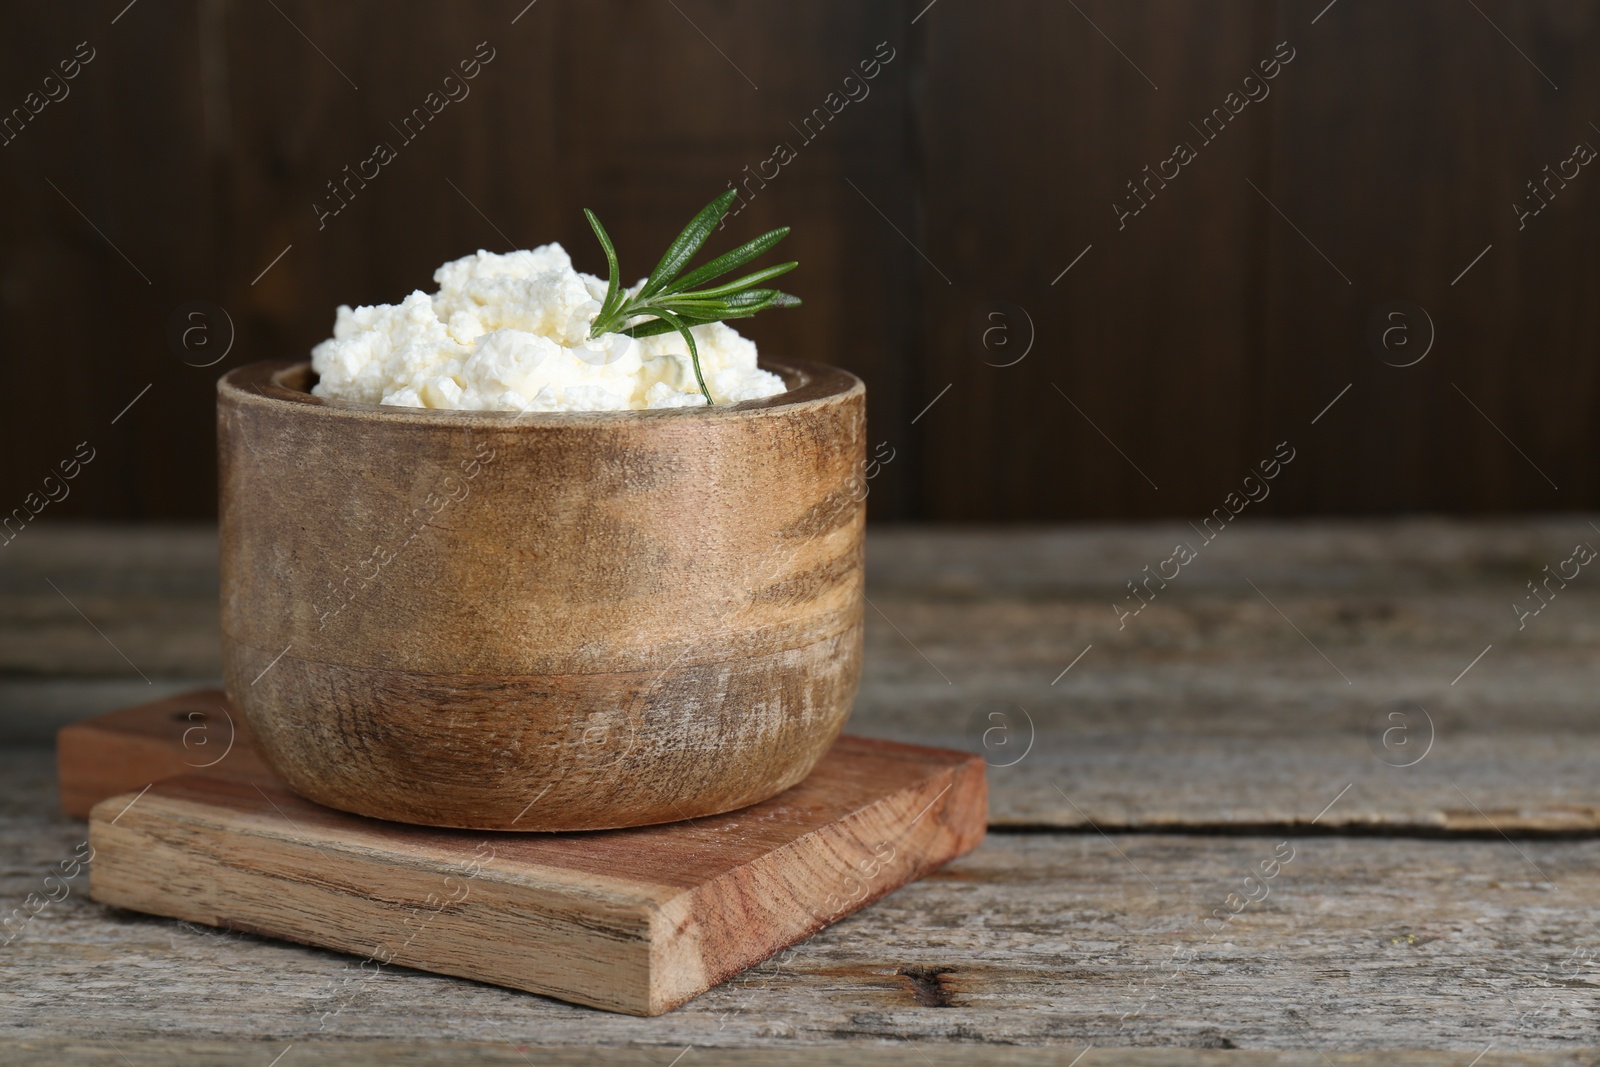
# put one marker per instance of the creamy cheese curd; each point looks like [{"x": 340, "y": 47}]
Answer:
[{"x": 511, "y": 333}]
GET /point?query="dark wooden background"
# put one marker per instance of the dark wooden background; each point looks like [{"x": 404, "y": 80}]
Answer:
[{"x": 1220, "y": 321}]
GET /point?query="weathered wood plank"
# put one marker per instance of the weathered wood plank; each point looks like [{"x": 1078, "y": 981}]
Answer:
[
  {"x": 1219, "y": 706},
  {"x": 1209, "y": 709},
  {"x": 151, "y": 590},
  {"x": 130, "y": 575},
  {"x": 163, "y": 1052},
  {"x": 1056, "y": 939}
]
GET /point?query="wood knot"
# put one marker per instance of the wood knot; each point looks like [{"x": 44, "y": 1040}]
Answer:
[{"x": 927, "y": 985}]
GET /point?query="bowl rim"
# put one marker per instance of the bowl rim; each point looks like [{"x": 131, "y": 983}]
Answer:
[{"x": 811, "y": 385}]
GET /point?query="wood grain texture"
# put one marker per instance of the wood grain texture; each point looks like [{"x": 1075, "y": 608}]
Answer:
[
  {"x": 151, "y": 591},
  {"x": 995, "y": 143},
  {"x": 125, "y": 750},
  {"x": 614, "y": 618},
  {"x": 1052, "y": 941},
  {"x": 160, "y": 1052},
  {"x": 120, "y": 239},
  {"x": 1056, "y": 372},
  {"x": 636, "y": 921},
  {"x": 1427, "y": 182},
  {"x": 1368, "y": 946},
  {"x": 1350, "y": 661},
  {"x": 1208, "y": 711}
]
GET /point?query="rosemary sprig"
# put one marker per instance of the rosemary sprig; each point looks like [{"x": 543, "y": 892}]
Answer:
[{"x": 668, "y": 302}]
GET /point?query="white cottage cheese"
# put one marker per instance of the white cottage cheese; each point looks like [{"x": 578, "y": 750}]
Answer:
[{"x": 511, "y": 333}]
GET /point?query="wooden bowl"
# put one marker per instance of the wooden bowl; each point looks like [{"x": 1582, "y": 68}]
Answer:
[{"x": 559, "y": 621}]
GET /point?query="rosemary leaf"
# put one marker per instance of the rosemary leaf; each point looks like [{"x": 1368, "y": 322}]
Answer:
[
  {"x": 735, "y": 286},
  {"x": 614, "y": 275},
  {"x": 667, "y": 303},
  {"x": 729, "y": 260},
  {"x": 694, "y": 353},
  {"x": 687, "y": 243}
]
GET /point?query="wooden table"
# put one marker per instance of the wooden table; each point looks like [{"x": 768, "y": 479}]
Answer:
[{"x": 1320, "y": 800}]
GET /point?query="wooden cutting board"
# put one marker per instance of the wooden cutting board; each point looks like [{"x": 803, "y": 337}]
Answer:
[
  {"x": 129, "y": 748},
  {"x": 635, "y": 921}
]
